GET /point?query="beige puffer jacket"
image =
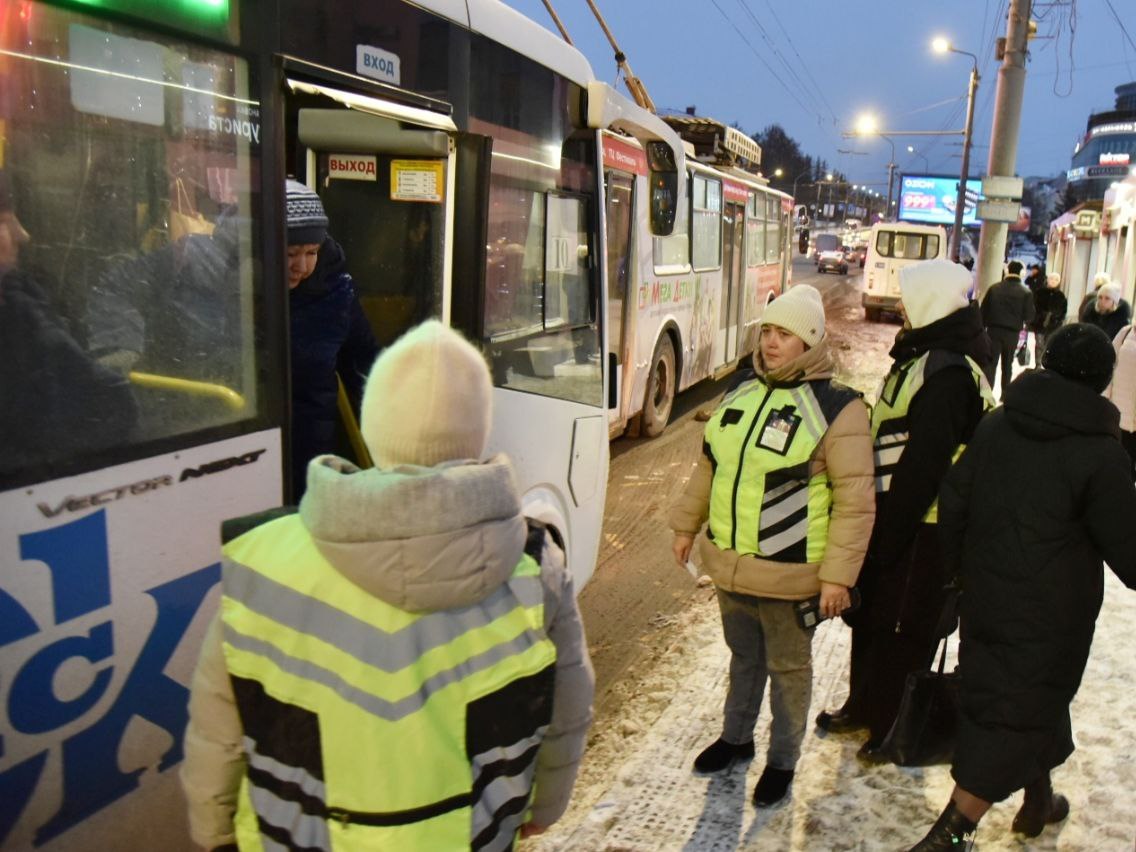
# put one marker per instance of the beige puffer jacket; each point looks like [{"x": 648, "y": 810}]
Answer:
[{"x": 844, "y": 455}]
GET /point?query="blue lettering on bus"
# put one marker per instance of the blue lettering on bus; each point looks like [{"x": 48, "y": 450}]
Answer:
[{"x": 77, "y": 555}]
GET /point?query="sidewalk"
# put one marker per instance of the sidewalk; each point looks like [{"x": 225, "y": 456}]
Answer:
[{"x": 636, "y": 791}]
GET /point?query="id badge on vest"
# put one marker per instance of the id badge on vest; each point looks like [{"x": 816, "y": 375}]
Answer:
[{"x": 780, "y": 427}]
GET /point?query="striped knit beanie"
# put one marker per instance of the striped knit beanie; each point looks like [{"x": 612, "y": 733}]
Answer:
[{"x": 307, "y": 222}]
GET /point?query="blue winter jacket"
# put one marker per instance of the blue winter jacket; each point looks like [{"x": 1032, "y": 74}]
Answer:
[{"x": 330, "y": 337}]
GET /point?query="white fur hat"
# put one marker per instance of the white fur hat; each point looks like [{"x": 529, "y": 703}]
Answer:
[
  {"x": 933, "y": 289},
  {"x": 800, "y": 310},
  {"x": 428, "y": 399},
  {"x": 1101, "y": 278},
  {"x": 1112, "y": 290}
]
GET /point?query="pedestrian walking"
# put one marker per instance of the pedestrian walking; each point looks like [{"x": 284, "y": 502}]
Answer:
[
  {"x": 785, "y": 481},
  {"x": 1040, "y": 497},
  {"x": 1108, "y": 312},
  {"x": 1122, "y": 391},
  {"x": 401, "y": 664},
  {"x": 330, "y": 336},
  {"x": 1035, "y": 278},
  {"x": 929, "y": 403},
  {"x": 1049, "y": 309},
  {"x": 1007, "y": 308}
]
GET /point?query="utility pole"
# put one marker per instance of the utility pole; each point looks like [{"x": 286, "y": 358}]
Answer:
[{"x": 1004, "y": 137}]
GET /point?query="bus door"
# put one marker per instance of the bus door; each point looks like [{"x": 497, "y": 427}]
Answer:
[
  {"x": 733, "y": 281},
  {"x": 619, "y": 209},
  {"x": 385, "y": 174}
]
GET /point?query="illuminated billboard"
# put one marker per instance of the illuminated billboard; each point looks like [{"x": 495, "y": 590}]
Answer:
[{"x": 931, "y": 199}]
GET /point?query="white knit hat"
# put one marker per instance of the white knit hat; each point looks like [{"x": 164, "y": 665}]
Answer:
[
  {"x": 933, "y": 289},
  {"x": 428, "y": 399},
  {"x": 800, "y": 310}
]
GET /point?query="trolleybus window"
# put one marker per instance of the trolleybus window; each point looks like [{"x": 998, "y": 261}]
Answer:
[
  {"x": 755, "y": 230},
  {"x": 706, "y": 223},
  {"x": 773, "y": 246},
  {"x": 129, "y": 308}
]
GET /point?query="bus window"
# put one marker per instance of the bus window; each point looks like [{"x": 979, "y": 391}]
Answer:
[
  {"x": 129, "y": 161},
  {"x": 706, "y": 223}
]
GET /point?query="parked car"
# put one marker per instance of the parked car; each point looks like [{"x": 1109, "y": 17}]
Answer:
[{"x": 832, "y": 260}]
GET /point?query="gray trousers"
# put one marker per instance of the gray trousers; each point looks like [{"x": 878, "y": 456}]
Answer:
[{"x": 765, "y": 641}]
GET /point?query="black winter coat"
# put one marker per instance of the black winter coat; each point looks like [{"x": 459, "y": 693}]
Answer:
[
  {"x": 330, "y": 337},
  {"x": 902, "y": 580},
  {"x": 1050, "y": 307},
  {"x": 1109, "y": 323},
  {"x": 1008, "y": 305},
  {"x": 1041, "y": 495}
]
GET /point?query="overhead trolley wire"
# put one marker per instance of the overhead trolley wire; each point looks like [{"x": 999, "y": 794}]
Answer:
[
  {"x": 788, "y": 66},
  {"x": 761, "y": 58},
  {"x": 804, "y": 64}
]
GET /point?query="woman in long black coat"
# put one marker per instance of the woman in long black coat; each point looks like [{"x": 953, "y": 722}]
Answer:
[{"x": 1040, "y": 497}]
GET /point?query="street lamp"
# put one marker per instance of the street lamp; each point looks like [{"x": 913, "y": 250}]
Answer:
[
  {"x": 942, "y": 45},
  {"x": 912, "y": 150},
  {"x": 867, "y": 125}
]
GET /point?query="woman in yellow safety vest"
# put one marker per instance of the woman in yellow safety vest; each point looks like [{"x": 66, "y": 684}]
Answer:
[{"x": 785, "y": 481}]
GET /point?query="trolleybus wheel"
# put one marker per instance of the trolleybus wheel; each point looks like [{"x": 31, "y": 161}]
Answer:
[{"x": 660, "y": 389}]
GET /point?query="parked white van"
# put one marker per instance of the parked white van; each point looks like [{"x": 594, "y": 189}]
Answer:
[{"x": 892, "y": 246}]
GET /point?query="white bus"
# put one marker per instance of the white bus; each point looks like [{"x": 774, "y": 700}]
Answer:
[
  {"x": 144, "y": 330},
  {"x": 685, "y": 307}
]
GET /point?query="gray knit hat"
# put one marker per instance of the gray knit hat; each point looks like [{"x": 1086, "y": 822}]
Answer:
[{"x": 307, "y": 221}]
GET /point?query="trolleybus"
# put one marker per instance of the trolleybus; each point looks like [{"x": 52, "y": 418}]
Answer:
[{"x": 685, "y": 306}]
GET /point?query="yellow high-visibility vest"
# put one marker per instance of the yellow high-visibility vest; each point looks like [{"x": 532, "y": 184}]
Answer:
[
  {"x": 889, "y": 414},
  {"x": 367, "y": 727},
  {"x": 763, "y": 502}
]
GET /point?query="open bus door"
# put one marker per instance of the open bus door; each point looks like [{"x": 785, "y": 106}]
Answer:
[{"x": 385, "y": 174}]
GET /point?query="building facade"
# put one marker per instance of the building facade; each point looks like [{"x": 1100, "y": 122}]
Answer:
[{"x": 1107, "y": 152}]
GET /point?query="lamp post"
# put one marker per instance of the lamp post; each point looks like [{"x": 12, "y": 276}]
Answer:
[
  {"x": 867, "y": 126},
  {"x": 912, "y": 150},
  {"x": 941, "y": 45}
]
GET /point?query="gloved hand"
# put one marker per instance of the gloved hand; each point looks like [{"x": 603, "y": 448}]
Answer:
[{"x": 122, "y": 361}]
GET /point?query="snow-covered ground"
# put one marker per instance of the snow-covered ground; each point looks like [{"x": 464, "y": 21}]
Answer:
[{"x": 636, "y": 790}]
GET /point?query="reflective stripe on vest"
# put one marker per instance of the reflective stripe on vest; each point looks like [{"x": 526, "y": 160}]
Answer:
[
  {"x": 763, "y": 501},
  {"x": 370, "y": 727},
  {"x": 889, "y": 414}
]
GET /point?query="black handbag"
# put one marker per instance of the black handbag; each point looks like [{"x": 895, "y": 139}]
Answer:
[{"x": 923, "y": 733}]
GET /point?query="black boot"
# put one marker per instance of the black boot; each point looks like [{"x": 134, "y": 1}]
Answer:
[
  {"x": 841, "y": 721},
  {"x": 1040, "y": 808},
  {"x": 772, "y": 786},
  {"x": 952, "y": 832},
  {"x": 720, "y": 755}
]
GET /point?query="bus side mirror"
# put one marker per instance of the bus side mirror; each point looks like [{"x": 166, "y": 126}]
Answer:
[{"x": 664, "y": 188}]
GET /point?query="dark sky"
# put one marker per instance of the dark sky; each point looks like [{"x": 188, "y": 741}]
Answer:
[{"x": 836, "y": 59}]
